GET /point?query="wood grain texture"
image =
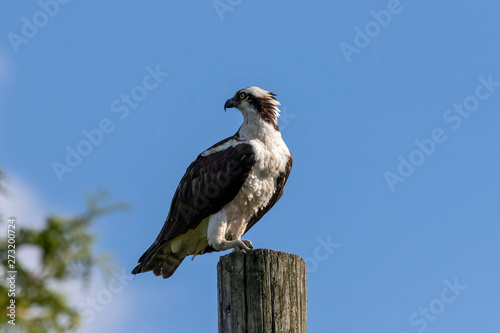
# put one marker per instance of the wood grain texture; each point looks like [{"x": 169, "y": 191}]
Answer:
[{"x": 262, "y": 291}]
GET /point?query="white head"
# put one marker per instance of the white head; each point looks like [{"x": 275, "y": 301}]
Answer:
[{"x": 256, "y": 102}]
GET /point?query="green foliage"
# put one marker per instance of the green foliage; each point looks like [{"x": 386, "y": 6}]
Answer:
[{"x": 66, "y": 254}]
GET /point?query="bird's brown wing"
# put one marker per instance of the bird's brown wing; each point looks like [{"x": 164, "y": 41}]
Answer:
[{"x": 210, "y": 183}]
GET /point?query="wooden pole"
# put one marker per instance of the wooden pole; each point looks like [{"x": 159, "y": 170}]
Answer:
[{"x": 262, "y": 291}]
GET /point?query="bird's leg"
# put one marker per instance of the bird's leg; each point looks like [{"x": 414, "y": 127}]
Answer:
[
  {"x": 217, "y": 237},
  {"x": 245, "y": 245},
  {"x": 236, "y": 245},
  {"x": 242, "y": 245},
  {"x": 237, "y": 234},
  {"x": 219, "y": 243}
]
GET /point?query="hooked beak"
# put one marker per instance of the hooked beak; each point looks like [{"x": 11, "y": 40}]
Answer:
[{"x": 229, "y": 104}]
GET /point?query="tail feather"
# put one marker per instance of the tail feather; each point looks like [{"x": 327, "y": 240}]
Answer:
[
  {"x": 137, "y": 269},
  {"x": 169, "y": 266},
  {"x": 161, "y": 260}
]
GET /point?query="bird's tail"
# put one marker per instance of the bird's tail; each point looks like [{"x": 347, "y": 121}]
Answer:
[{"x": 160, "y": 259}]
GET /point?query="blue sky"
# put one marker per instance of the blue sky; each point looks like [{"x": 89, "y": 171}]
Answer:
[{"x": 407, "y": 220}]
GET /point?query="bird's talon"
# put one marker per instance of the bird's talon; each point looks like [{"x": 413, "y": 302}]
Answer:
[{"x": 248, "y": 244}]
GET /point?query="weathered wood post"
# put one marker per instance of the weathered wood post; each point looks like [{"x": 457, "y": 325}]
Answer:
[{"x": 262, "y": 291}]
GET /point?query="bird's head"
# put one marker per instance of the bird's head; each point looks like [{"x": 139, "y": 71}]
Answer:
[{"x": 255, "y": 103}]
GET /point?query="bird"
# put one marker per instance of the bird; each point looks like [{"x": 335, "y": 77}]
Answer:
[{"x": 226, "y": 190}]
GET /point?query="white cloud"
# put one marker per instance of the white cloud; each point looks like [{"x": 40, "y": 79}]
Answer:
[
  {"x": 110, "y": 313},
  {"x": 22, "y": 202},
  {"x": 104, "y": 305}
]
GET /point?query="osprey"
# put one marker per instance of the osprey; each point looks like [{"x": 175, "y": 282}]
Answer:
[{"x": 226, "y": 190}]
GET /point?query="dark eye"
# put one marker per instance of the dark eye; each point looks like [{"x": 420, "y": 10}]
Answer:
[{"x": 243, "y": 95}]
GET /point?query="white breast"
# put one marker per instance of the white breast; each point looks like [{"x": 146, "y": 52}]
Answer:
[{"x": 271, "y": 158}]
